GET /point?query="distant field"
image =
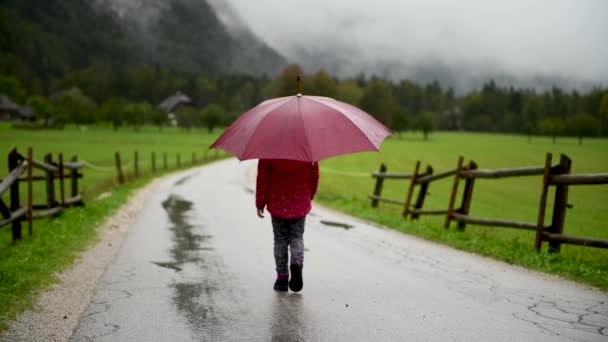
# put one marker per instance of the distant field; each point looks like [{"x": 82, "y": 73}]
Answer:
[
  {"x": 346, "y": 181},
  {"x": 96, "y": 146}
]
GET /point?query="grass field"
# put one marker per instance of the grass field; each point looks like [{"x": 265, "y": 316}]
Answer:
[
  {"x": 510, "y": 198},
  {"x": 96, "y": 146},
  {"x": 30, "y": 265}
]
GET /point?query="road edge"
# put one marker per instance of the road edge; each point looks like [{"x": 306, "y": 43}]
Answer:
[{"x": 58, "y": 309}]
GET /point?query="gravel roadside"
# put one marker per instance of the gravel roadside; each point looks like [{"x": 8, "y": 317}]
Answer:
[{"x": 58, "y": 309}]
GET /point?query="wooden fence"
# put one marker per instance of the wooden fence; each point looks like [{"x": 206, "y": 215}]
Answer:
[
  {"x": 59, "y": 171},
  {"x": 561, "y": 178},
  {"x": 122, "y": 177},
  {"x": 558, "y": 176}
]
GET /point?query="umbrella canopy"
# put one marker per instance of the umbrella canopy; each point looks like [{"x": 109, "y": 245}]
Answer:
[{"x": 307, "y": 128}]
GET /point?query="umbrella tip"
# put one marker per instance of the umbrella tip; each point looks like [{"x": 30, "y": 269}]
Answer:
[{"x": 298, "y": 86}]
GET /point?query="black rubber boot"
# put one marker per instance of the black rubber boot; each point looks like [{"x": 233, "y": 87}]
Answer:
[
  {"x": 280, "y": 284},
  {"x": 295, "y": 283}
]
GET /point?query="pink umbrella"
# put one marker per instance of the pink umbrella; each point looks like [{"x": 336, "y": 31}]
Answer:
[{"x": 307, "y": 128}]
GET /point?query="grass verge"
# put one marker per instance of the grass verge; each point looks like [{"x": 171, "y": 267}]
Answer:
[
  {"x": 31, "y": 265},
  {"x": 28, "y": 267}
]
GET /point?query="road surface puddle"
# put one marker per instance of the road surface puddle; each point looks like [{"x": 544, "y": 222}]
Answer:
[
  {"x": 169, "y": 265},
  {"x": 184, "y": 179},
  {"x": 201, "y": 277},
  {"x": 337, "y": 224},
  {"x": 187, "y": 242}
]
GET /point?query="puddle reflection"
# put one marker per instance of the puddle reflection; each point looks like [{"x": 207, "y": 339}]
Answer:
[
  {"x": 187, "y": 243},
  {"x": 193, "y": 298},
  {"x": 288, "y": 319},
  {"x": 337, "y": 224}
]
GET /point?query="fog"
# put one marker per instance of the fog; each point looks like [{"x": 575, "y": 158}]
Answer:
[{"x": 533, "y": 43}]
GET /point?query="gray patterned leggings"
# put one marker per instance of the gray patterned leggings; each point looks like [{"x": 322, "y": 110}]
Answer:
[{"x": 288, "y": 233}]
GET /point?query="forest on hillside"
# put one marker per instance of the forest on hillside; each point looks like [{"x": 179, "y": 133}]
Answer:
[{"x": 76, "y": 61}]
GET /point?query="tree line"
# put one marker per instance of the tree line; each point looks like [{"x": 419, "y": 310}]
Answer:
[
  {"x": 79, "y": 62},
  {"x": 130, "y": 97}
]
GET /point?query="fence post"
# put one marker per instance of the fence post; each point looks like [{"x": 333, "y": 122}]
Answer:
[
  {"x": 61, "y": 181},
  {"x": 153, "y": 162},
  {"x": 30, "y": 189},
  {"x": 50, "y": 183},
  {"x": 136, "y": 164},
  {"x": 121, "y": 177},
  {"x": 178, "y": 161},
  {"x": 410, "y": 190},
  {"x": 422, "y": 193},
  {"x": 378, "y": 188},
  {"x": 165, "y": 161},
  {"x": 543, "y": 204},
  {"x": 448, "y": 214},
  {"x": 560, "y": 203},
  {"x": 467, "y": 195},
  {"x": 75, "y": 174},
  {"x": 13, "y": 162},
  {"x": 6, "y": 213}
]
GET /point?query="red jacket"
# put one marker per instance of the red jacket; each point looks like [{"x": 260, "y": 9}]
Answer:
[{"x": 286, "y": 187}]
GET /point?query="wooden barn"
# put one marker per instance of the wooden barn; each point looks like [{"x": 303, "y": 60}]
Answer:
[{"x": 10, "y": 111}]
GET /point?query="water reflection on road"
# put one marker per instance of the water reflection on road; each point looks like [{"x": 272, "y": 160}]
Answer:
[
  {"x": 204, "y": 294},
  {"x": 288, "y": 321},
  {"x": 194, "y": 292}
]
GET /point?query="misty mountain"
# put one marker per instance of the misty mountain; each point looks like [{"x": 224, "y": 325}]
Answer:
[
  {"x": 187, "y": 35},
  {"x": 344, "y": 62},
  {"x": 461, "y": 44},
  {"x": 52, "y": 37}
]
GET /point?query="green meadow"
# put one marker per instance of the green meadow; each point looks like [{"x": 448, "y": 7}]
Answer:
[
  {"x": 29, "y": 266},
  {"x": 96, "y": 147},
  {"x": 345, "y": 186}
]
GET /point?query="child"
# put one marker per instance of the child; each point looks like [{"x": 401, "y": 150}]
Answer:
[{"x": 286, "y": 188}]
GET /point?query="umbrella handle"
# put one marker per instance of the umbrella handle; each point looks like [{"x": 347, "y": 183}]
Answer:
[{"x": 299, "y": 86}]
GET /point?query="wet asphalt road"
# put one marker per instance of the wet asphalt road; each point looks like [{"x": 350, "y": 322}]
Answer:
[{"x": 197, "y": 265}]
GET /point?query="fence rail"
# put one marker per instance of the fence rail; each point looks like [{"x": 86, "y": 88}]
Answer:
[
  {"x": 581, "y": 179},
  {"x": 56, "y": 174},
  {"x": 427, "y": 212},
  {"x": 14, "y": 175},
  {"x": 123, "y": 177},
  {"x": 18, "y": 214},
  {"x": 392, "y": 175},
  {"x": 558, "y": 175},
  {"x": 576, "y": 240},
  {"x": 494, "y": 222},
  {"x": 502, "y": 173},
  {"x": 433, "y": 177}
]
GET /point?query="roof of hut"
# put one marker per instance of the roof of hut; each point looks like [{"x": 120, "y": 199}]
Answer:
[
  {"x": 171, "y": 102},
  {"x": 7, "y": 104}
]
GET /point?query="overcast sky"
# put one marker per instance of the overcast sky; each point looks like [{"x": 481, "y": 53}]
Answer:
[{"x": 567, "y": 38}]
